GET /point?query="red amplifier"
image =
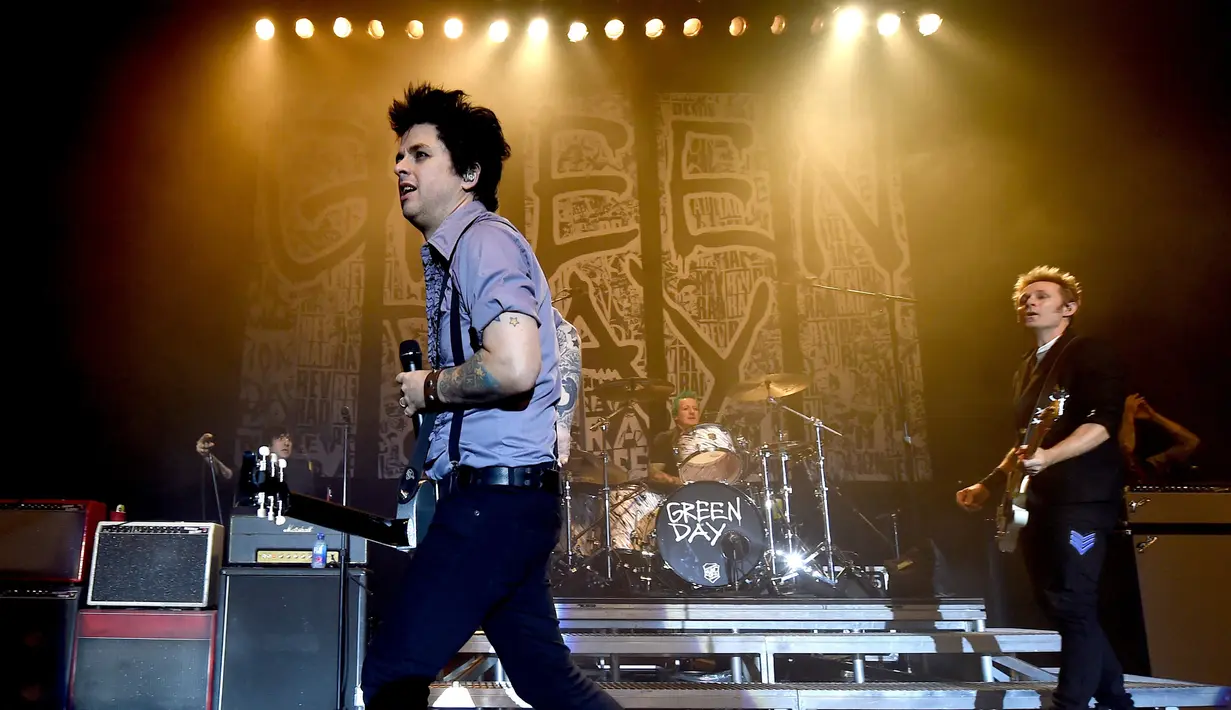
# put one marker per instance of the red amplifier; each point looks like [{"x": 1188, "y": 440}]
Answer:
[
  {"x": 143, "y": 659},
  {"x": 48, "y": 540}
]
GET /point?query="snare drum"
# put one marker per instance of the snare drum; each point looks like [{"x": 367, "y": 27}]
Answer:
[
  {"x": 707, "y": 452},
  {"x": 710, "y": 534}
]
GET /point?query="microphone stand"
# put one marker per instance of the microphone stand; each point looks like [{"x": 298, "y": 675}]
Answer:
[
  {"x": 890, "y": 302},
  {"x": 209, "y": 458},
  {"x": 343, "y": 559}
]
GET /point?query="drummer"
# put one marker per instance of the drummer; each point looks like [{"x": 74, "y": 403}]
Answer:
[{"x": 664, "y": 474}]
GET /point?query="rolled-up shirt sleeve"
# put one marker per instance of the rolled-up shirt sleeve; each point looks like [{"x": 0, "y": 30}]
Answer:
[
  {"x": 1099, "y": 387},
  {"x": 492, "y": 268}
]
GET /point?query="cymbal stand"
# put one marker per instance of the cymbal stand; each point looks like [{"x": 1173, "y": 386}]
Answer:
[
  {"x": 822, "y": 484},
  {"x": 568, "y": 519},
  {"x": 602, "y": 423},
  {"x": 771, "y": 548}
]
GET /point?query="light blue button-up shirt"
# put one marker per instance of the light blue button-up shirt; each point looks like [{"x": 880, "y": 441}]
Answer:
[{"x": 495, "y": 271}]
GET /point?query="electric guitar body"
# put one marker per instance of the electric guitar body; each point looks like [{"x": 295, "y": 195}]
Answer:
[{"x": 1011, "y": 514}]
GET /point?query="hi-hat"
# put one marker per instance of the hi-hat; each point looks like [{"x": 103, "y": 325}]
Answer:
[
  {"x": 774, "y": 385},
  {"x": 635, "y": 389},
  {"x": 586, "y": 467}
]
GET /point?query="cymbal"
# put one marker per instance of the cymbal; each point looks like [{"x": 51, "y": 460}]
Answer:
[
  {"x": 635, "y": 389},
  {"x": 774, "y": 385},
  {"x": 587, "y": 467},
  {"x": 786, "y": 447}
]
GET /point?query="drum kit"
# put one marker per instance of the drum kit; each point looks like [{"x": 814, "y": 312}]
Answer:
[{"x": 728, "y": 525}]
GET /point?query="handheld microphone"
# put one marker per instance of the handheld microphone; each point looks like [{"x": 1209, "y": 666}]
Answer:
[{"x": 411, "y": 356}]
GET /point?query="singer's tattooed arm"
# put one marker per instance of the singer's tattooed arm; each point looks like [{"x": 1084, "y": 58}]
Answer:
[{"x": 506, "y": 365}]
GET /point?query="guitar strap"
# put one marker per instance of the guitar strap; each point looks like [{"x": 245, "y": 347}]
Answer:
[{"x": 1052, "y": 374}]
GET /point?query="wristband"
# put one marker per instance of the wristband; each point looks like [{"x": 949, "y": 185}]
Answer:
[{"x": 431, "y": 399}]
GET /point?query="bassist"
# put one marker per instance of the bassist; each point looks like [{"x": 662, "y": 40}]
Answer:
[{"x": 1075, "y": 484}]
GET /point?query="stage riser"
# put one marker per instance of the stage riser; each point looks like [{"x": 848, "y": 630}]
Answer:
[{"x": 839, "y": 696}]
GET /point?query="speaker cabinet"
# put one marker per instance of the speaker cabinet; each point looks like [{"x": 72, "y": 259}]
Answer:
[
  {"x": 1183, "y": 581},
  {"x": 144, "y": 659},
  {"x": 47, "y": 540},
  {"x": 279, "y": 637},
  {"x": 155, "y": 564},
  {"x": 37, "y": 626},
  {"x": 1181, "y": 541}
]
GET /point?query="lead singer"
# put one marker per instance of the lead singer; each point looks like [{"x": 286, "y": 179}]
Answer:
[{"x": 485, "y": 558}]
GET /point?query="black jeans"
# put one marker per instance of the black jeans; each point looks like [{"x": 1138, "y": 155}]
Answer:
[
  {"x": 483, "y": 563},
  {"x": 1064, "y": 548}
]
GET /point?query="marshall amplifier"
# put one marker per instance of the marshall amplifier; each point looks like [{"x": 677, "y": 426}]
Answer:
[
  {"x": 47, "y": 540},
  {"x": 155, "y": 564},
  {"x": 259, "y": 541}
]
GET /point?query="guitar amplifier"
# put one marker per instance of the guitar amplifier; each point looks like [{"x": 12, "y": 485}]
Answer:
[
  {"x": 155, "y": 564},
  {"x": 47, "y": 540},
  {"x": 260, "y": 541}
]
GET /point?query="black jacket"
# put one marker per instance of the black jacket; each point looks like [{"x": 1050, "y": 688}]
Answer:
[{"x": 1091, "y": 374}]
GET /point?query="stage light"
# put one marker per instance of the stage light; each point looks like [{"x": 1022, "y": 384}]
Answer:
[
  {"x": 376, "y": 29},
  {"x": 614, "y": 29},
  {"x": 849, "y": 22},
  {"x": 778, "y": 26},
  {"x": 304, "y": 28},
  {"x": 341, "y": 27},
  {"x": 538, "y": 29},
  {"x": 498, "y": 31},
  {"x": 453, "y": 28},
  {"x": 414, "y": 29},
  {"x": 692, "y": 27},
  {"x": 265, "y": 28},
  {"x": 577, "y": 32},
  {"x": 654, "y": 28},
  {"x": 738, "y": 26},
  {"x": 818, "y": 24},
  {"x": 888, "y": 24},
  {"x": 929, "y": 23}
]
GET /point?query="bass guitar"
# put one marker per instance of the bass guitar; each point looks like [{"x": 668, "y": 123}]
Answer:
[{"x": 1011, "y": 514}]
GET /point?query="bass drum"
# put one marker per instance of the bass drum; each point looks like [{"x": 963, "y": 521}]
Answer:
[
  {"x": 707, "y": 452},
  {"x": 710, "y": 534}
]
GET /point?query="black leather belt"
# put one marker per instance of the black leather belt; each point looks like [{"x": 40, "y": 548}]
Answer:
[{"x": 539, "y": 477}]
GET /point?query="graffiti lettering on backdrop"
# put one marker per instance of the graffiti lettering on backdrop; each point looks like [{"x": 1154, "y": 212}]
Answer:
[
  {"x": 581, "y": 217},
  {"x": 719, "y": 264},
  {"x": 852, "y": 234},
  {"x": 313, "y": 206}
]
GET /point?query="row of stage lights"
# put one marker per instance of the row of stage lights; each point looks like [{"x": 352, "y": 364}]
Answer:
[{"x": 848, "y": 23}]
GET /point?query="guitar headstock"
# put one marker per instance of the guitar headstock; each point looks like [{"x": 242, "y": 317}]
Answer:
[
  {"x": 263, "y": 476},
  {"x": 1044, "y": 418}
]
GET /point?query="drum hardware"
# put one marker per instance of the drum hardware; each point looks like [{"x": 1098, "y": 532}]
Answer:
[{"x": 828, "y": 575}]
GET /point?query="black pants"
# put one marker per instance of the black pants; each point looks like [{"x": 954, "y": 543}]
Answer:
[
  {"x": 483, "y": 563},
  {"x": 1064, "y": 548}
]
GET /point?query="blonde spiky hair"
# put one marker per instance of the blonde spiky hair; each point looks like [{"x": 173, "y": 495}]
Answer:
[{"x": 1070, "y": 289}]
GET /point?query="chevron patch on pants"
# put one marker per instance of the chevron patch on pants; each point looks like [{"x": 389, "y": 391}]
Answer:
[{"x": 1081, "y": 543}]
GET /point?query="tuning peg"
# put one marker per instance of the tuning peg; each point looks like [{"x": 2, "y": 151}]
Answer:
[{"x": 263, "y": 451}]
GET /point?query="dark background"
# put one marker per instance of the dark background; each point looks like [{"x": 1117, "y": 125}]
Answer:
[{"x": 1093, "y": 136}]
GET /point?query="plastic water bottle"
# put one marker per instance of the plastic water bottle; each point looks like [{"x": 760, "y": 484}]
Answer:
[{"x": 319, "y": 552}]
